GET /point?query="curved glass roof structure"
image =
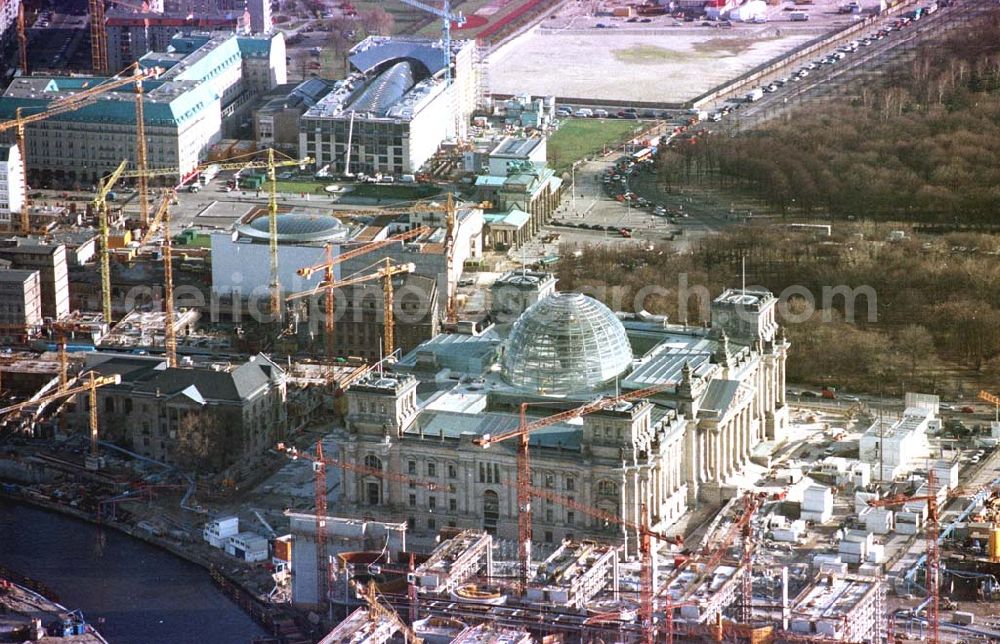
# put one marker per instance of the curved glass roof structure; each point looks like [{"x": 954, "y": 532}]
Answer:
[
  {"x": 385, "y": 91},
  {"x": 564, "y": 344},
  {"x": 297, "y": 227}
]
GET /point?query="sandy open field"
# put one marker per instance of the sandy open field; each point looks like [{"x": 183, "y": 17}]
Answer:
[{"x": 661, "y": 61}]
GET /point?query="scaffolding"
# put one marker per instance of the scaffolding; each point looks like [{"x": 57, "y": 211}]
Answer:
[{"x": 454, "y": 562}]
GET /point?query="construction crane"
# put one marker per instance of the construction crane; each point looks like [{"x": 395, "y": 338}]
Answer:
[
  {"x": 646, "y": 552},
  {"x": 523, "y": 431},
  {"x": 270, "y": 164},
  {"x": 447, "y": 17},
  {"x": 99, "y": 34},
  {"x": 98, "y": 37},
  {"x": 378, "y": 610},
  {"x": 22, "y": 39},
  {"x": 90, "y": 387},
  {"x": 319, "y": 463},
  {"x": 385, "y": 273},
  {"x": 104, "y": 186},
  {"x": 134, "y": 73},
  {"x": 329, "y": 283},
  {"x": 933, "y": 555},
  {"x": 169, "y": 332},
  {"x": 449, "y": 208},
  {"x": 986, "y": 396}
]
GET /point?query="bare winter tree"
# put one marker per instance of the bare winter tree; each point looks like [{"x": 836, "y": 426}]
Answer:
[{"x": 378, "y": 22}]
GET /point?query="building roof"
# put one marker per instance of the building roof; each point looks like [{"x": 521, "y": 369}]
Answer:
[
  {"x": 16, "y": 275},
  {"x": 384, "y": 91},
  {"x": 515, "y": 218},
  {"x": 516, "y": 148},
  {"x": 376, "y": 51},
  {"x": 151, "y": 375},
  {"x": 453, "y": 424},
  {"x": 297, "y": 227}
]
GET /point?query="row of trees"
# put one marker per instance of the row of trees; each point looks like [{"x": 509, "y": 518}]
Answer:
[
  {"x": 922, "y": 145},
  {"x": 935, "y": 306}
]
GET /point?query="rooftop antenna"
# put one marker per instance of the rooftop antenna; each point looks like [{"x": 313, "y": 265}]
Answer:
[{"x": 743, "y": 258}]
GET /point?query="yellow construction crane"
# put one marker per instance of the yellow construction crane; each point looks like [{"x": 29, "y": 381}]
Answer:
[
  {"x": 169, "y": 333},
  {"x": 271, "y": 163},
  {"x": 104, "y": 186},
  {"x": 133, "y": 74},
  {"x": 377, "y": 610},
  {"x": 385, "y": 273},
  {"x": 329, "y": 282},
  {"x": 90, "y": 387},
  {"x": 449, "y": 208}
]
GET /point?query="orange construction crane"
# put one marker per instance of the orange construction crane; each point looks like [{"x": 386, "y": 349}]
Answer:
[
  {"x": 22, "y": 39},
  {"x": 385, "y": 273},
  {"x": 99, "y": 33},
  {"x": 320, "y": 462},
  {"x": 646, "y": 552},
  {"x": 933, "y": 554},
  {"x": 523, "y": 431},
  {"x": 90, "y": 387},
  {"x": 134, "y": 73},
  {"x": 329, "y": 283}
]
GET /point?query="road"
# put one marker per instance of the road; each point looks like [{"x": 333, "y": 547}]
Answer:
[{"x": 838, "y": 79}]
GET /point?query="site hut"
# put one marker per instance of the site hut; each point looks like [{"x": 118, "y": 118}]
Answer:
[
  {"x": 672, "y": 452},
  {"x": 247, "y": 546},
  {"x": 218, "y": 531}
]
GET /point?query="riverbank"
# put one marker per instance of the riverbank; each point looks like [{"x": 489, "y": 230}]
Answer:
[
  {"x": 279, "y": 625},
  {"x": 27, "y": 613}
]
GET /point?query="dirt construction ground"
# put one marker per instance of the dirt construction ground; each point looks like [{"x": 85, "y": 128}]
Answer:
[{"x": 664, "y": 60}]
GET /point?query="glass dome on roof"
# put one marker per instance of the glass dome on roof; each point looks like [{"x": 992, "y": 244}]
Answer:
[
  {"x": 298, "y": 227},
  {"x": 566, "y": 343}
]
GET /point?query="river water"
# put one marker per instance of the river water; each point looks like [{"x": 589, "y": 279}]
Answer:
[{"x": 145, "y": 595}]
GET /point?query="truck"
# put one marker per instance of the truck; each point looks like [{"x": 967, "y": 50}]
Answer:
[
  {"x": 208, "y": 174},
  {"x": 798, "y": 16},
  {"x": 697, "y": 115},
  {"x": 755, "y": 94}
]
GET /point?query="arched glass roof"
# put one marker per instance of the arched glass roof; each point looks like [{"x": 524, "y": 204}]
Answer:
[
  {"x": 564, "y": 344},
  {"x": 385, "y": 91}
]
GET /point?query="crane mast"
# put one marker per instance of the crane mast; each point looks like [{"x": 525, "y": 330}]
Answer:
[
  {"x": 140, "y": 154},
  {"x": 22, "y": 39}
]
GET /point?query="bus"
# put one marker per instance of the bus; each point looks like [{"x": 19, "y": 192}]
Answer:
[{"x": 642, "y": 155}]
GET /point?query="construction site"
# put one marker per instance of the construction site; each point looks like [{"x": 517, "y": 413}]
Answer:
[{"x": 371, "y": 420}]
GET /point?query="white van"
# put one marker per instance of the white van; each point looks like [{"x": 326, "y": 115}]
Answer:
[
  {"x": 601, "y": 114},
  {"x": 584, "y": 112}
]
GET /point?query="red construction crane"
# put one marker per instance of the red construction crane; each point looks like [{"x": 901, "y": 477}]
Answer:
[
  {"x": 319, "y": 469},
  {"x": 933, "y": 555},
  {"x": 522, "y": 432},
  {"x": 646, "y": 536}
]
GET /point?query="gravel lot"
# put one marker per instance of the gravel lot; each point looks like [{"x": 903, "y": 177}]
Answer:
[{"x": 663, "y": 60}]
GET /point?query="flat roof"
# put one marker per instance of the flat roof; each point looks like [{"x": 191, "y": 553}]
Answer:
[{"x": 516, "y": 148}]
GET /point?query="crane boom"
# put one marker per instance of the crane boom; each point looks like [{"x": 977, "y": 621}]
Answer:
[
  {"x": 377, "y": 610},
  {"x": 308, "y": 271},
  {"x": 83, "y": 97},
  {"x": 523, "y": 432},
  {"x": 583, "y": 410},
  {"x": 381, "y": 273}
]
